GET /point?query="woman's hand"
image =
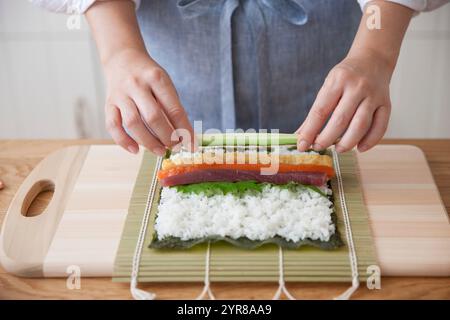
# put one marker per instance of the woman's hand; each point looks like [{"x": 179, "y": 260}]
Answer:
[
  {"x": 355, "y": 99},
  {"x": 355, "y": 96},
  {"x": 142, "y": 105}
]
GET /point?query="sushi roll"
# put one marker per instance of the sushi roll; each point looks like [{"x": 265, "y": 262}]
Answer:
[{"x": 247, "y": 196}]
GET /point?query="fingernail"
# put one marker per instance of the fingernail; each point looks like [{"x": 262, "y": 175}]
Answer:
[
  {"x": 133, "y": 149},
  {"x": 318, "y": 147},
  {"x": 303, "y": 145},
  {"x": 160, "y": 151},
  {"x": 339, "y": 149},
  {"x": 363, "y": 148},
  {"x": 175, "y": 138}
]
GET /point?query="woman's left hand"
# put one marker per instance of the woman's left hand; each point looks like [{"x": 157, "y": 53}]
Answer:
[{"x": 355, "y": 99}]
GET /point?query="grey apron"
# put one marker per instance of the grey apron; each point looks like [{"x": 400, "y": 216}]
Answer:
[{"x": 248, "y": 63}]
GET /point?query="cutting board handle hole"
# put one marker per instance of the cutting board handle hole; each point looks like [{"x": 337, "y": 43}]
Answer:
[{"x": 38, "y": 198}]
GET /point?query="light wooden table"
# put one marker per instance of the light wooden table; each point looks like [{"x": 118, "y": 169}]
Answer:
[{"x": 18, "y": 157}]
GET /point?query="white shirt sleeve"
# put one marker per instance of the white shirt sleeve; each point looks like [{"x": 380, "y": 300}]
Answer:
[
  {"x": 69, "y": 6},
  {"x": 416, "y": 5}
]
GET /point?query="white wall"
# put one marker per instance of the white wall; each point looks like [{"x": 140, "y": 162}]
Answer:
[
  {"x": 420, "y": 87},
  {"x": 51, "y": 84}
]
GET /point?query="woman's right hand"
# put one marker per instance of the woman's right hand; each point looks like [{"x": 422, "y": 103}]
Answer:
[{"x": 142, "y": 105}]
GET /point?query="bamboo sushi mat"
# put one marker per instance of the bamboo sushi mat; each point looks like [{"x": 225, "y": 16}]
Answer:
[{"x": 228, "y": 263}]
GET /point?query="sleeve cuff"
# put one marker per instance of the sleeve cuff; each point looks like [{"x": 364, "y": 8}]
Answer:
[
  {"x": 416, "y": 5},
  {"x": 69, "y": 6}
]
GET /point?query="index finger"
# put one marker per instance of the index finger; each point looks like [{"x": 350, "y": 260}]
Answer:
[
  {"x": 325, "y": 102},
  {"x": 167, "y": 96}
]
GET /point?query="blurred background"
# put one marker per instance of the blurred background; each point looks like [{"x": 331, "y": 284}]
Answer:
[{"x": 51, "y": 84}]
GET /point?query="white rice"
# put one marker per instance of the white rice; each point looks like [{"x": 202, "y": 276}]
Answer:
[{"x": 293, "y": 215}]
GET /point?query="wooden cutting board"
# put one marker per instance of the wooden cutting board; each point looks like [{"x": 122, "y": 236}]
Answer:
[{"x": 92, "y": 187}]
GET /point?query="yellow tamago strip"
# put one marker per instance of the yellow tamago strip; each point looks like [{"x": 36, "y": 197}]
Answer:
[{"x": 211, "y": 157}]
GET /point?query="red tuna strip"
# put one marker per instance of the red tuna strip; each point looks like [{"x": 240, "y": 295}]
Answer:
[{"x": 219, "y": 175}]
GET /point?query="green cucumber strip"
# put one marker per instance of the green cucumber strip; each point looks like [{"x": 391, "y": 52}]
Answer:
[{"x": 245, "y": 139}]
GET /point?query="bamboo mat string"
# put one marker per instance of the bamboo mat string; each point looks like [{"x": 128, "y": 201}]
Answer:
[
  {"x": 282, "y": 286},
  {"x": 207, "y": 287},
  {"x": 137, "y": 293},
  {"x": 348, "y": 232}
]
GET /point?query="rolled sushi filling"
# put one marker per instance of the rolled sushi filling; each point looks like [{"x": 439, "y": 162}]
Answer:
[{"x": 220, "y": 201}]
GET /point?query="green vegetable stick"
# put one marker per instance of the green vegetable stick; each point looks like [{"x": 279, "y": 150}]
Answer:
[{"x": 246, "y": 139}]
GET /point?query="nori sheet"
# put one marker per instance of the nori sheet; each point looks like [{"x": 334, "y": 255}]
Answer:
[
  {"x": 334, "y": 242},
  {"x": 245, "y": 243}
]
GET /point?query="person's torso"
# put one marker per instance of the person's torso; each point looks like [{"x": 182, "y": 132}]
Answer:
[{"x": 248, "y": 63}]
